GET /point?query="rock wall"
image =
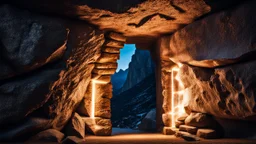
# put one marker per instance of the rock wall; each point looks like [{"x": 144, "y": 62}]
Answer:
[
  {"x": 46, "y": 67},
  {"x": 105, "y": 66},
  {"x": 217, "y": 53},
  {"x": 227, "y": 92}
]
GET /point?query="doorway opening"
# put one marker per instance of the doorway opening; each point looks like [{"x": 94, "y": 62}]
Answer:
[{"x": 133, "y": 106}]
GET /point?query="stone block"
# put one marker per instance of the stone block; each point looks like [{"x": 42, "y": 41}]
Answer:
[
  {"x": 189, "y": 129},
  {"x": 98, "y": 126},
  {"x": 75, "y": 126}
]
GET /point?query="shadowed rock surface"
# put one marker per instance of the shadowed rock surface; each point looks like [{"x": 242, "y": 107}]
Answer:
[
  {"x": 47, "y": 136},
  {"x": 131, "y": 106},
  {"x": 25, "y": 46},
  {"x": 53, "y": 91}
]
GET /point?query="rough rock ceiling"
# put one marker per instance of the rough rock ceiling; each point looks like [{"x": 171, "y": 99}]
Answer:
[{"x": 136, "y": 19}]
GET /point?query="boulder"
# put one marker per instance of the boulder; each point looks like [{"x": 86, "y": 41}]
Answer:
[
  {"x": 225, "y": 92},
  {"x": 25, "y": 47},
  {"x": 148, "y": 123},
  {"x": 75, "y": 127},
  {"x": 50, "y": 135},
  {"x": 200, "y": 120},
  {"x": 219, "y": 39},
  {"x": 98, "y": 126}
]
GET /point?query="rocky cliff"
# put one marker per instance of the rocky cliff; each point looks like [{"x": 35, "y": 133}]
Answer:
[
  {"x": 131, "y": 106},
  {"x": 140, "y": 67},
  {"x": 118, "y": 79}
]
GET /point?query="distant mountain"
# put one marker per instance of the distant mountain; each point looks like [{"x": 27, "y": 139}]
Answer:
[
  {"x": 140, "y": 67},
  {"x": 118, "y": 79},
  {"x": 131, "y": 106}
]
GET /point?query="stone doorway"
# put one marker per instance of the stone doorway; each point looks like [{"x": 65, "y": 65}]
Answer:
[{"x": 97, "y": 102}]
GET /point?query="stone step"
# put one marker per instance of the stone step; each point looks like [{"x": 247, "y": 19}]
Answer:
[
  {"x": 207, "y": 133},
  {"x": 113, "y": 43},
  {"x": 106, "y": 65},
  {"x": 111, "y": 50},
  {"x": 189, "y": 129},
  {"x": 187, "y": 136},
  {"x": 169, "y": 130},
  {"x": 117, "y": 36}
]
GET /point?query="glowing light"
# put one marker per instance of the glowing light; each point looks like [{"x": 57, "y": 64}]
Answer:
[
  {"x": 179, "y": 96},
  {"x": 94, "y": 82}
]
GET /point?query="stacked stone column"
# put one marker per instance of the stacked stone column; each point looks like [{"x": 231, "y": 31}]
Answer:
[{"x": 105, "y": 66}]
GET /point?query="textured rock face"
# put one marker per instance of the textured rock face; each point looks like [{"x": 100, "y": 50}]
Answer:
[
  {"x": 22, "y": 41},
  {"x": 70, "y": 88},
  {"x": 140, "y": 67},
  {"x": 139, "y": 20},
  {"x": 227, "y": 92},
  {"x": 76, "y": 126},
  {"x": 219, "y": 39},
  {"x": 130, "y": 107},
  {"x": 135, "y": 18},
  {"x": 48, "y": 86},
  {"x": 26, "y": 44}
]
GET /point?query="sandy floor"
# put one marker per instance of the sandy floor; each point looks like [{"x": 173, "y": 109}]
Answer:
[{"x": 127, "y": 136}]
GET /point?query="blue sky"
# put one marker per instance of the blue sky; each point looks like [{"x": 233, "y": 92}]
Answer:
[{"x": 125, "y": 56}]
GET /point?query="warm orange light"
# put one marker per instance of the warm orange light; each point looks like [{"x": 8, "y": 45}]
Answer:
[
  {"x": 179, "y": 97},
  {"x": 94, "y": 82}
]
